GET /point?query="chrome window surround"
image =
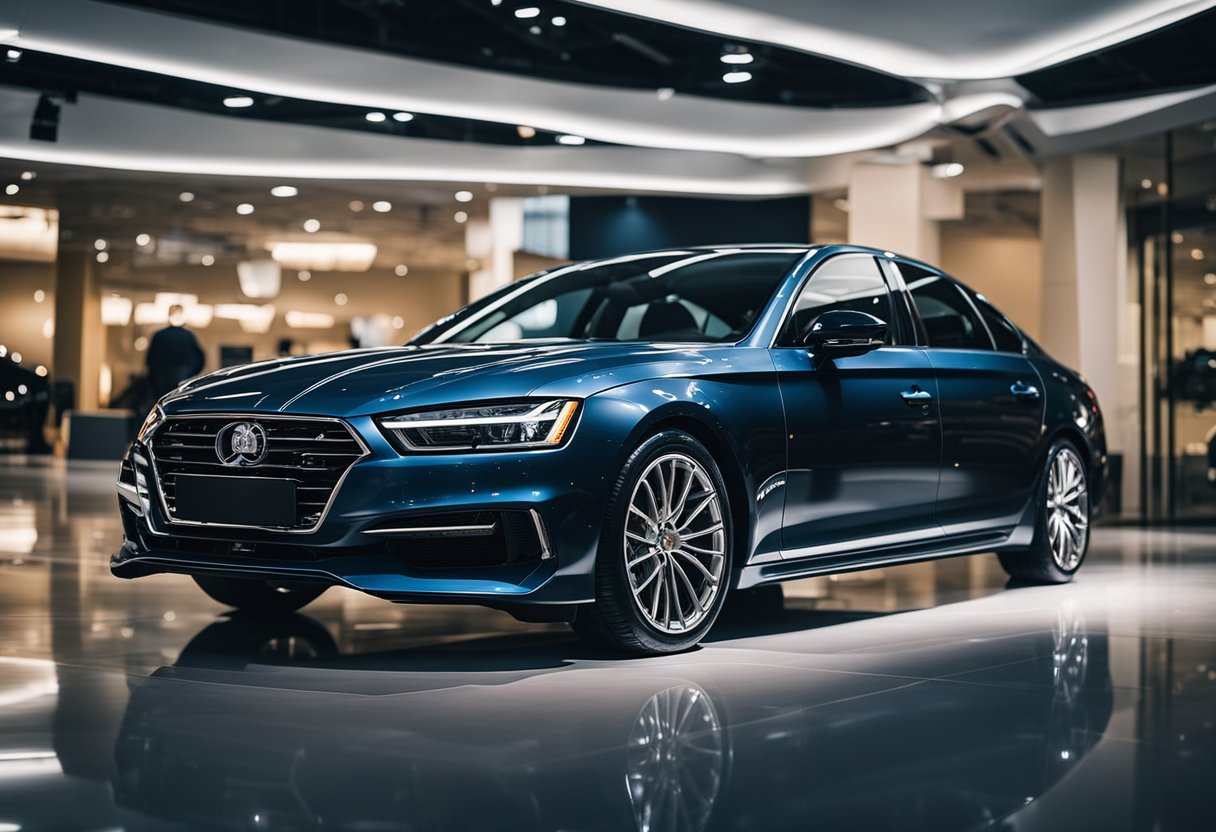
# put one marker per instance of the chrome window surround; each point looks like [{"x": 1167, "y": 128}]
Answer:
[{"x": 255, "y": 417}]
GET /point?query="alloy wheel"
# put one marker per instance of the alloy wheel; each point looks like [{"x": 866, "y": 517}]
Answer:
[
  {"x": 1067, "y": 509},
  {"x": 675, "y": 543}
]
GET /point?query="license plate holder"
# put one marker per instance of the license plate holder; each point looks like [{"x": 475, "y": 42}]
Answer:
[{"x": 235, "y": 501}]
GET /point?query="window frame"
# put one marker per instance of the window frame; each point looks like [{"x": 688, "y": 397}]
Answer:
[
  {"x": 903, "y": 332},
  {"x": 965, "y": 293},
  {"x": 976, "y": 300}
]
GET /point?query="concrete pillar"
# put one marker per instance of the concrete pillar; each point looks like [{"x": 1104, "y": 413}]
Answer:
[
  {"x": 79, "y": 344},
  {"x": 897, "y": 207},
  {"x": 492, "y": 244}
]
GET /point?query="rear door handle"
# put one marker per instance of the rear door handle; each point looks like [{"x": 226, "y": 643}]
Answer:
[
  {"x": 1024, "y": 391},
  {"x": 916, "y": 396}
]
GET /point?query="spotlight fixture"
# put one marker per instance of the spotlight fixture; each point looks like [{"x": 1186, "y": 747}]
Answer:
[
  {"x": 27, "y": 175},
  {"x": 525, "y": 132},
  {"x": 401, "y": 270},
  {"x": 461, "y": 216},
  {"x": 737, "y": 57},
  {"x": 375, "y": 117},
  {"x": 186, "y": 196},
  {"x": 558, "y": 21},
  {"x": 571, "y": 140},
  {"x": 11, "y": 55},
  {"x": 948, "y": 170},
  {"x": 464, "y": 196},
  {"x": 403, "y": 117},
  {"x": 238, "y": 102},
  {"x": 142, "y": 240},
  {"x": 12, "y": 189},
  {"x": 737, "y": 77},
  {"x": 527, "y": 12},
  {"x": 382, "y": 206},
  {"x": 45, "y": 126},
  {"x": 312, "y": 226},
  {"x": 244, "y": 209},
  {"x": 284, "y": 190}
]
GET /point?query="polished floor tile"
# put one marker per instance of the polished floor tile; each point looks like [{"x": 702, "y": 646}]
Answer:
[{"x": 921, "y": 697}]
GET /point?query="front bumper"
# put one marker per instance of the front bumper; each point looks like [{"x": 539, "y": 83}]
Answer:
[{"x": 564, "y": 489}]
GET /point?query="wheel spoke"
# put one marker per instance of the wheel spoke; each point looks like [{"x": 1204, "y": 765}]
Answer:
[
  {"x": 637, "y": 590},
  {"x": 645, "y": 518},
  {"x": 692, "y": 592},
  {"x": 638, "y": 538},
  {"x": 701, "y": 506},
  {"x": 709, "y": 576},
  {"x": 716, "y": 527},
  {"x": 683, "y": 498},
  {"x": 643, "y": 558}
]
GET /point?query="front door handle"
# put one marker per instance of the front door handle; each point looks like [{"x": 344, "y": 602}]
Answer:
[
  {"x": 1024, "y": 391},
  {"x": 916, "y": 396}
]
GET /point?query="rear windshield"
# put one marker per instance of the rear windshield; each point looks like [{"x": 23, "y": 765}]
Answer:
[{"x": 675, "y": 296}]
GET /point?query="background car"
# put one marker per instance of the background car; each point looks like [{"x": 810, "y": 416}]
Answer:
[{"x": 620, "y": 443}]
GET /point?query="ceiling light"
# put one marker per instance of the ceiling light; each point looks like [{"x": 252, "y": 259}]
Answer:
[
  {"x": 557, "y": 21},
  {"x": 237, "y": 102},
  {"x": 1196, "y": 254},
  {"x": 375, "y": 117},
  {"x": 12, "y": 190},
  {"x": 403, "y": 117},
  {"x": 39, "y": 295},
  {"x": 304, "y": 275},
  {"x": 665, "y": 93},
  {"x": 27, "y": 175},
  {"x": 398, "y": 322},
  {"x": 1210, "y": 278},
  {"x": 100, "y": 244},
  {"x": 323, "y": 256},
  {"x": 737, "y": 77},
  {"x": 355, "y": 205},
  {"x": 259, "y": 278},
  {"x": 308, "y": 320},
  {"x": 460, "y": 216},
  {"x": 569, "y": 139},
  {"x": 40, "y": 371},
  {"x": 340, "y": 299},
  {"x": 535, "y": 30},
  {"x": 186, "y": 196},
  {"x": 207, "y": 260},
  {"x": 1146, "y": 184},
  {"x": 947, "y": 171},
  {"x": 251, "y": 317},
  {"x": 244, "y": 209},
  {"x": 142, "y": 239},
  {"x": 13, "y": 55},
  {"x": 401, "y": 270},
  {"x": 284, "y": 190},
  {"x": 116, "y": 310},
  {"x": 527, "y": 12},
  {"x": 464, "y": 196},
  {"x": 525, "y": 132},
  {"x": 312, "y": 226},
  {"x": 102, "y": 257},
  {"x": 382, "y": 206},
  {"x": 737, "y": 58}
]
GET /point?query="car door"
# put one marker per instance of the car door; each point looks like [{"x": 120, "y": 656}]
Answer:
[
  {"x": 991, "y": 405},
  {"x": 864, "y": 439}
]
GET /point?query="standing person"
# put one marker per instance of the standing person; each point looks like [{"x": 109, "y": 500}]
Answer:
[{"x": 174, "y": 354}]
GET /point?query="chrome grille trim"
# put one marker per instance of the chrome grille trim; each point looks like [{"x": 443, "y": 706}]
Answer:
[{"x": 262, "y": 469}]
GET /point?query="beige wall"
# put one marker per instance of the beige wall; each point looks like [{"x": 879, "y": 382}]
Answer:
[
  {"x": 21, "y": 318},
  {"x": 1007, "y": 270}
]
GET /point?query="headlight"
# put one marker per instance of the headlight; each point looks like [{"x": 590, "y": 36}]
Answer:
[
  {"x": 151, "y": 423},
  {"x": 498, "y": 426}
]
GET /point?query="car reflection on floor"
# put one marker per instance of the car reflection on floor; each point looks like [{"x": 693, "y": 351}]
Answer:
[{"x": 264, "y": 723}]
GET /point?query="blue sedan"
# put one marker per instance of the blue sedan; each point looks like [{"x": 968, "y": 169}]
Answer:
[{"x": 621, "y": 443}]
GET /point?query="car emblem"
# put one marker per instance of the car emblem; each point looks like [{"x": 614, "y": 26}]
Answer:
[{"x": 241, "y": 443}]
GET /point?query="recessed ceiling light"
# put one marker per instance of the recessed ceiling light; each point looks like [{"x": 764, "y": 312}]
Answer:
[
  {"x": 375, "y": 117},
  {"x": 460, "y": 216},
  {"x": 207, "y": 260},
  {"x": 737, "y": 58},
  {"x": 304, "y": 275},
  {"x": 947, "y": 171},
  {"x": 1210, "y": 278},
  {"x": 737, "y": 77},
  {"x": 525, "y": 132},
  {"x": 398, "y": 322},
  {"x": 244, "y": 209},
  {"x": 186, "y": 196},
  {"x": 312, "y": 226},
  {"x": 401, "y": 270},
  {"x": 27, "y": 175},
  {"x": 355, "y": 205},
  {"x": 142, "y": 239},
  {"x": 340, "y": 299},
  {"x": 403, "y": 117},
  {"x": 13, "y": 55},
  {"x": 464, "y": 196},
  {"x": 102, "y": 257},
  {"x": 570, "y": 139},
  {"x": 12, "y": 189},
  {"x": 558, "y": 21},
  {"x": 39, "y": 295},
  {"x": 100, "y": 244},
  {"x": 382, "y": 206},
  {"x": 238, "y": 102},
  {"x": 527, "y": 12},
  {"x": 1147, "y": 184},
  {"x": 284, "y": 190}
]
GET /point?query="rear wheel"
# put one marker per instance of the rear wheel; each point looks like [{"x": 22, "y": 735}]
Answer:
[
  {"x": 1061, "y": 537},
  {"x": 664, "y": 555},
  {"x": 258, "y": 596}
]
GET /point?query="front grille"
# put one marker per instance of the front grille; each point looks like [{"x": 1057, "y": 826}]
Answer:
[{"x": 313, "y": 452}]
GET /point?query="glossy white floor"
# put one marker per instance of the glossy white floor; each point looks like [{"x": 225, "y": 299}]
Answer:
[{"x": 924, "y": 697}]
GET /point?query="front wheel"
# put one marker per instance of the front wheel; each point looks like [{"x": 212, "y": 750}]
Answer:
[
  {"x": 258, "y": 596},
  {"x": 1061, "y": 537},
  {"x": 664, "y": 556}
]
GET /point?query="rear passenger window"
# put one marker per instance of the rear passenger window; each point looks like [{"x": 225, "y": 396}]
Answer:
[
  {"x": 949, "y": 318},
  {"x": 847, "y": 281},
  {"x": 1006, "y": 337}
]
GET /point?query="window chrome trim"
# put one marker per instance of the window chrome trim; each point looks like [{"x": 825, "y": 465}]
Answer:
[
  {"x": 792, "y": 301},
  {"x": 170, "y": 520}
]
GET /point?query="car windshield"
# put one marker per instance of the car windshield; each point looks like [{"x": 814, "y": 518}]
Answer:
[{"x": 674, "y": 296}]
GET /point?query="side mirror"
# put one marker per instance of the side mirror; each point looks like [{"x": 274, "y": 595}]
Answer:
[{"x": 840, "y": 333}]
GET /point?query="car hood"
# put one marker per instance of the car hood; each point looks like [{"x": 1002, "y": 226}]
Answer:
[{"x": 361, "y": 382}]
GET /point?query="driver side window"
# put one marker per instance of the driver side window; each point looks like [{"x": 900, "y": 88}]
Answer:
[{"x": 847, "y": 281}]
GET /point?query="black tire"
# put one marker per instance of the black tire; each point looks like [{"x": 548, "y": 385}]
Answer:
[
  {"x": 258, "y": 596},
  {"x": 1043, "y": 563},
  {"x": 616, "y": 619}
]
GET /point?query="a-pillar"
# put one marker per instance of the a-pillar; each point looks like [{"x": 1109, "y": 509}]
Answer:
[
  {"x": 897, "y": 207},
  {"x": 79, "y": 344}
]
